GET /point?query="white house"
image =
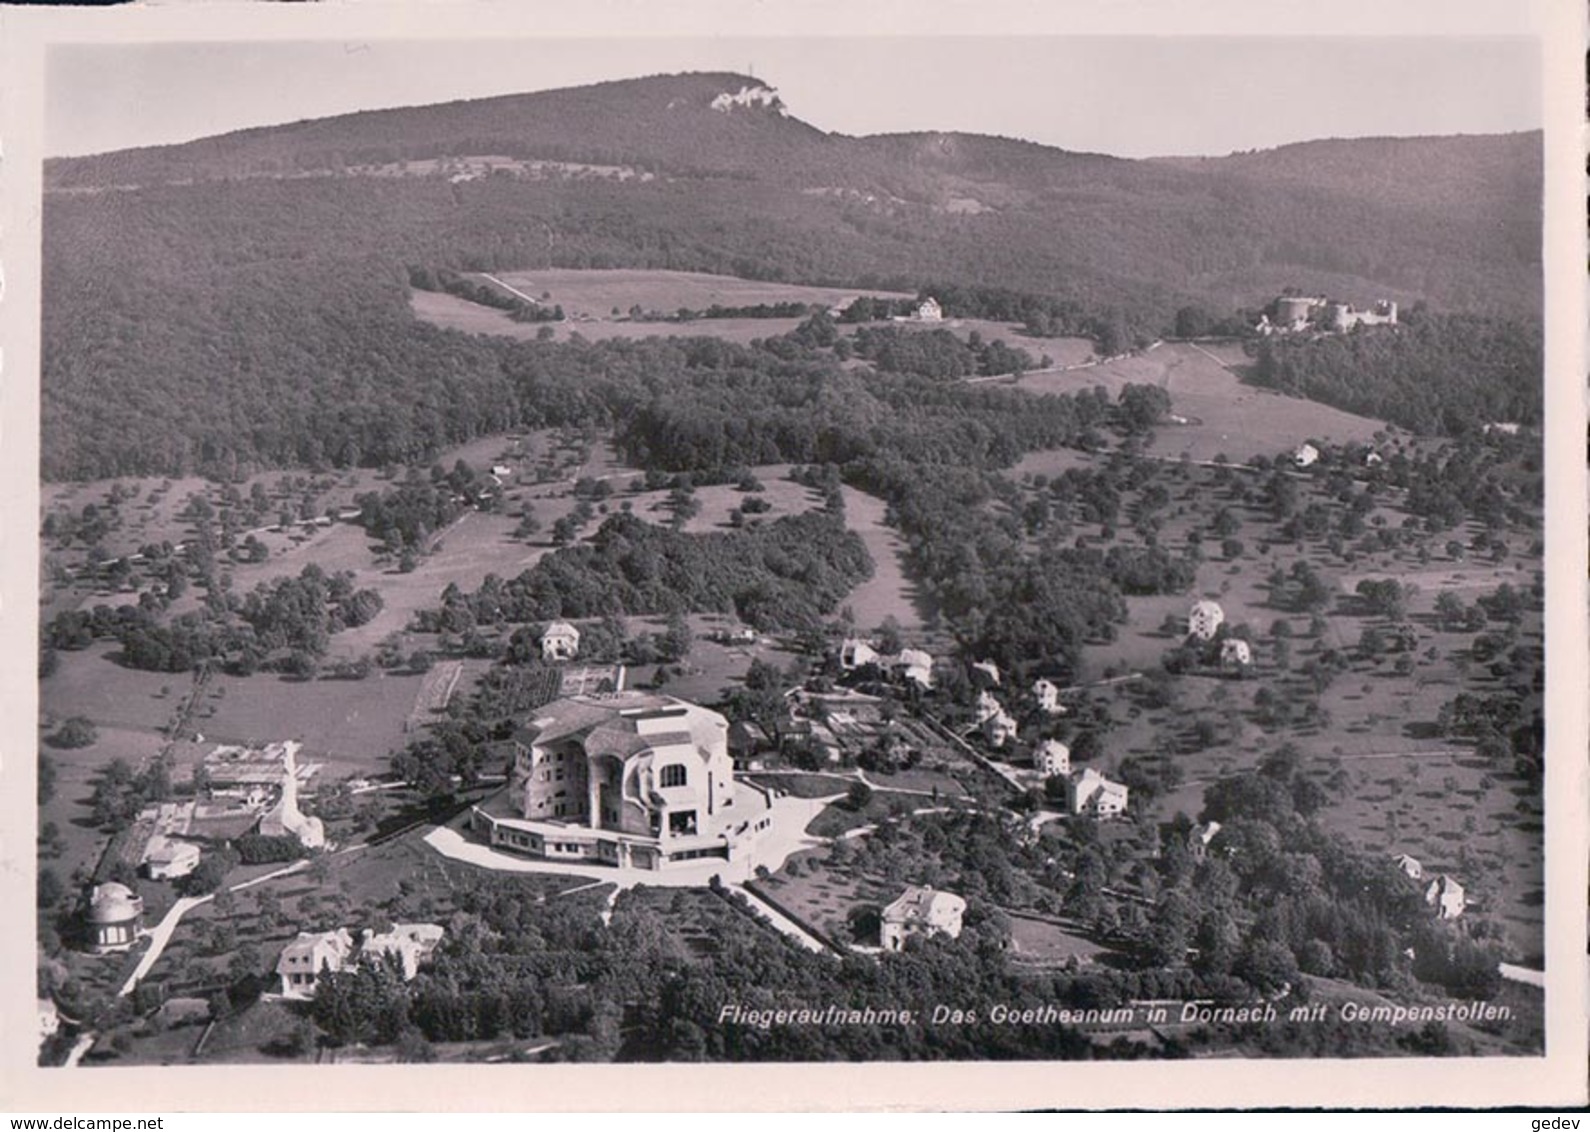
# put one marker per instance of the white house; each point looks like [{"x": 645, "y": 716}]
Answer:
[
  {"x": 1235, "y": 654},
  {"x": 1445, "y": 895},
  {"x": 1305, "y": 455},
  {"x": 561, "y": 641},
  {"x": 1091, "y": 793},
  {"x": 1052, "y": 758},
  {"x": 920, "y": 911},
  {"x": 309, "y": 956},
  {"x": 988, "y": 706},
  {"x": 928, "y": 310},
  {"x": 1048, "y": 697},
  {"x": 914, "y": 665},
  {"x": 1204, "y": 620},
  {"x": 856, "y": 653}
]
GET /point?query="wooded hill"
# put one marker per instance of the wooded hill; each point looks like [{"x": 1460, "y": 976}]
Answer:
[{"x": 202, "y": 286}]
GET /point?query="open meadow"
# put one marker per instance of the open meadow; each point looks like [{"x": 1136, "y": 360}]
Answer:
[
  {"x": 1224, "y": 416},
  {"x": 599, "y": 293}
]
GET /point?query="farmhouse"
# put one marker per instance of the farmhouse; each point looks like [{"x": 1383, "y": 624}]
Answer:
[
  {"x": 921, "y": 912},
  {"x": 115, "y": 917},
  {"x": 928, "y": 310},
  {"x": 309, "y": 956},
  {"x": 560, "y": 641},
  {"x": 1445, "y": 895},
  {"x": 1235, "y": 654},
  {"x": 1204, "y": 620},
  {"x": 1091, "y": 793},
  {"x": 1305, "y": 455},
  {"x": 632, "y": 779},
  {"x": 1047, "y": 696}
]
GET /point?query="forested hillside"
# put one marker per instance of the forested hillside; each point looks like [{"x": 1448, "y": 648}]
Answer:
[
  {"x": 241, "y": 301},
  {"x": 1436, "y": 374}
]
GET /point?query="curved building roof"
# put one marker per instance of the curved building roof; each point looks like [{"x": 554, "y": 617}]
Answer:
[
  {"x": 114, "y": 903},
  {"x": 629, "y": 724}
]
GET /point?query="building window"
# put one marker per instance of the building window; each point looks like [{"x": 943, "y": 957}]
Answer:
[
  {"x": 673, "y": 775},
  {"x": 682, "y": 823}
]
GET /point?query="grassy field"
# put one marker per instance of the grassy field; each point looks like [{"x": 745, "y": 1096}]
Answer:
[
  {"x": 711, "y": 668},
  {"x": 888, "y": 593},
  {"x": 839, "y": 818},
  {"x": 1042, "y": 943},
  {"x": 782, "y": 495},
  {"x": 1226, "y": 416},
  {"x": 453, "y": 313},
  {"x": 1061, "y": 351},
  {"x": 803, "y": 785},
  {"x": 826, "y": 897},
  {"x": 595, "y": 294},
  {"x": 349, "y": 726}
]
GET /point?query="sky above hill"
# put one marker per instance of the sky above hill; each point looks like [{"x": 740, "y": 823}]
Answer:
[{"x": 1133, "y": 97}]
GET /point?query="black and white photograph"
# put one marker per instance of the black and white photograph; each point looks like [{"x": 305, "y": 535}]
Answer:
[{"x": 935, "y": 544}]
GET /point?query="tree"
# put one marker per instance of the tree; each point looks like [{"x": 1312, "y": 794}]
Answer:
[
  {"x": 858, "y": 795},
  {"x": 78, "y": 731},
  {"x": 210, "y": 874},
  {"x": 46, "y": 779},
  {"x": 49, "y": 889},
  {"x": 677, "y": 638}
]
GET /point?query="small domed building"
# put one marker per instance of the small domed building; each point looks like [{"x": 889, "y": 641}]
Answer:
[{"x": 115, "y": 917}]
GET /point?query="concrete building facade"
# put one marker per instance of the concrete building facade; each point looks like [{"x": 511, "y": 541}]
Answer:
[{"x": 632, "y": 779}]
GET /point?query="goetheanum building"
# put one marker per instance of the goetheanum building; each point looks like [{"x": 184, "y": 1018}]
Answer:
[{"x": 630, "y": 779}]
